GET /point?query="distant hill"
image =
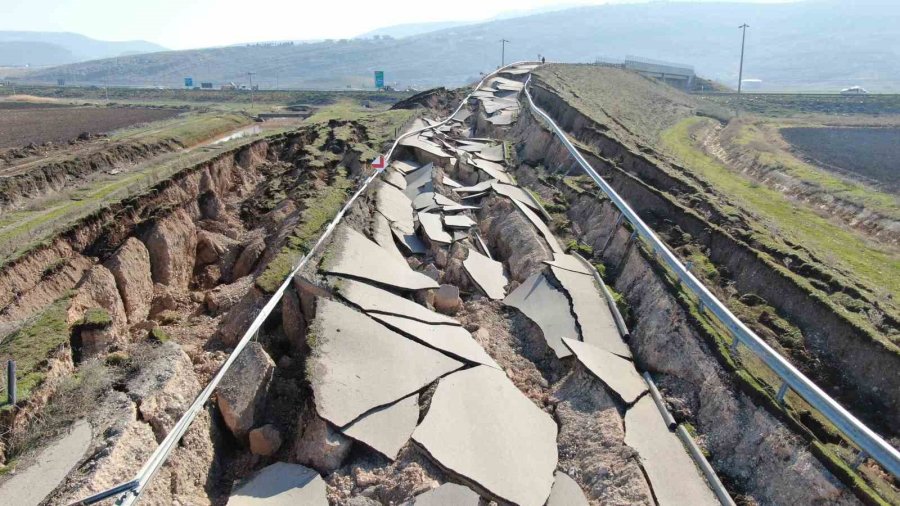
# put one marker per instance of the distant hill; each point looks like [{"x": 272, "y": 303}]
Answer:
[
  {"x": 56, "y": 48},
  {"x": 410, "y": 29},
  {"x": 812, "y": 45}
]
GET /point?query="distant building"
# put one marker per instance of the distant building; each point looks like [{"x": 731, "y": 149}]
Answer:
[
  {"x": 751, "y": 84},
  {"x": 854, "y": 90},
  {"x": 675, "y": 74}
]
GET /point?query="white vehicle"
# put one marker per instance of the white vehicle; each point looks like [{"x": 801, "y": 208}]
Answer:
[{"x": 854, "y": 90}]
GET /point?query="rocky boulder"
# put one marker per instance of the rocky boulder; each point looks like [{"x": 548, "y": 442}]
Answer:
[
  {"x": 223, "y": 297},
  {"x": 248, "y": 258},
  {"x": 446, "y": 299},
  {"x": 130, "y": 265},
  {"x": 172, "y": 244},
  {"x": 164, "y": 388},
  {"x": 265, "y": 440},
  {"x": 242, "y": 393},
  {"x": 318, "y": 445},
  {"x": 215, "y": 248},
  {"x": 97, "y": 296}
]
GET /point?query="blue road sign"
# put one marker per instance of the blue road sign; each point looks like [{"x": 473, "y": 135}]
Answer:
[{"x": 188, "y": 82}]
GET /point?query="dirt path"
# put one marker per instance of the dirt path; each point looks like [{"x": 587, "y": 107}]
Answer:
[{"x": 32, "y": 485}]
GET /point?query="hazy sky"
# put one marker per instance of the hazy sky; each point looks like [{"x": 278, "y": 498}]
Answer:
[{"x": 180, "y": 24}]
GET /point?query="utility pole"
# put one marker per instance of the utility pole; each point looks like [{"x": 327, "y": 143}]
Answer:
[
  {"x": 741, "y": 69},
  {"x": 250, "y": 74},
  {"x": 503, "y": 52}
]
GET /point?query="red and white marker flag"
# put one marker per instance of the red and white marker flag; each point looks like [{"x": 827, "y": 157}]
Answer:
[{"x": 378, "y": 163}]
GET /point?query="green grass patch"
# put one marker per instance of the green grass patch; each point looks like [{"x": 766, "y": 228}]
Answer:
[
  {"x": 159, "y": 335},
  {"x": 31, "y": 345},
  {"x": 318, "y": 212},
  {"x": 189, "y": 129},
  {"x": 95, "y": 317},
  {"x": 756, "y": 137},
  {"x": 798, "y": 224}
]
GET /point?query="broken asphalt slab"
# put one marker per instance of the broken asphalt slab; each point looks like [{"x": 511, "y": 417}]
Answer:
[
  {"x": 614, "y": 371},
  {"x": 451, "y": 339},
  {"x": 547, "y": 307},
  {"x": 281, "y": 484},
  {"x": 672, "y": 473},
  {"x": 387, "y": 429},
  {"x": 373, "y": 299},
  {"x": 448, "y": 494},
  {"x": 353, "y": 254},
  {"x": 357, "y": 364},
  {"x": 481, "y": 427},
  {"x": 592, "y": 312},
  {"x": 488, "y": 437},
  {"x": 486, "y": 273}
]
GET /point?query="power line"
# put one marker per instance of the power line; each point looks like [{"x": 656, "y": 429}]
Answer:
[
  {"x": 503, "y": 52},
  {"x": 741, "y": 69}
]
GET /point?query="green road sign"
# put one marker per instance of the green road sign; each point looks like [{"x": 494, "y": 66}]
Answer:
[{"x": 379, "y": 79}]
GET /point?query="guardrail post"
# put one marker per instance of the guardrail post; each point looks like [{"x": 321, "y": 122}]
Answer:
[
  {"x": 860, "y": 458},
  {"x": 11, "y": 382},
  {"x": 782, "y": 391},
  {"x": 735, "y": 345}
]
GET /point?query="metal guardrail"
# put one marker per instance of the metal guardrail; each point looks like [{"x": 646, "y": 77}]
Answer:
[
  {"x": 132, "y": 490},
  {"x": 869, "y": 442}
]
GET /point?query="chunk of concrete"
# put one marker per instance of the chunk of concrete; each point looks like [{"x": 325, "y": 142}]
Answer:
[
  {"x": 434, "y": 228},
  {"x": 376, "y": 300},
  {"x": 517, "y": 193},
  {"x": 459, "y": 221},
  {"x": 478, "y": 188},
  {"x": 358, "y": 364},
  {"x": 487, "y": 274},
  {"x": 451, "y": 183},
  {"x": 448, "y": 494},
  {"x": 353, "y": 254},
  {"x": 547, "y": 307},
  {"x": 411, "y": 242},
  {"x": 387, "y": 429},
  {"x": 405, "y": 167},
  {"x": 265, "y": 440},
  {"x": 492, "y": 153},
  {"x": 396, "y": 207},
  {"x": 614, "y": 371},
  {"x": 673, "y": 475},
  {"x": 481, "y": 427},
  {"x": 569, "y": 263},
  {"x": 242, "y": 393},
  {"x": 394, "y": 178},
  {"x": 592, "y": 311},
  {"x": 456, "y": 341},
  {"x": 503, "y": 118},
  {"x": 281, "y": 484},
  {"x": 493, "y": 170},
  {"x": 457, "y": 208},
  {"x": 540, "y": 225},
  {"x": 420, "y": 181},
  {"x": 566, "y": 492},
  {"x": 384, "y": 236},
  {"x": 446, "y": 299}
]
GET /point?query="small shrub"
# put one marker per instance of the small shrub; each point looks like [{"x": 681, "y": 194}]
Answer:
[
  {"x": 159, "y": 335},
  {"x": 582, "y": 249},
  {"x": 117, "y": 359}
]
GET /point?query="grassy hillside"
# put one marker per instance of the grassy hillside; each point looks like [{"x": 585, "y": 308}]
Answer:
[{"x": 814, "y": 45}]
